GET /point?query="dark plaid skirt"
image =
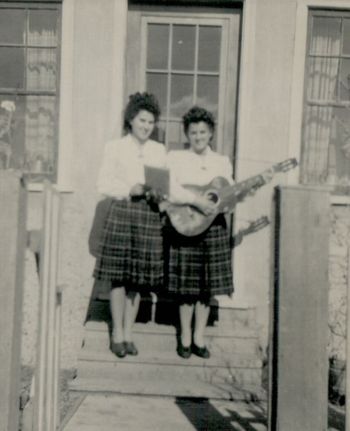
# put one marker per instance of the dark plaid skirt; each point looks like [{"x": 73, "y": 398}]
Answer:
[
  {"x": 131, "y": 247},
  {"x": 201, "y": 265}
]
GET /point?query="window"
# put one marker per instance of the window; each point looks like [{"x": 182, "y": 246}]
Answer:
[
  {"x": 183, "y": 67},
  {"x": 326, "y": 127},
  {"x": 29, "y": 59}
]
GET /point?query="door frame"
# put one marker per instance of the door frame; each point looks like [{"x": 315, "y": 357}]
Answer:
[{"x": 232, "y": 18}]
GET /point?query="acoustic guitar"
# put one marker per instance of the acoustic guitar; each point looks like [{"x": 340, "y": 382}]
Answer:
[
  {"x": 190, "y": 221},
  {"x": 253, "y": 226}
]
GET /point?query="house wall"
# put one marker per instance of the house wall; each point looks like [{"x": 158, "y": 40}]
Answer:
[
  {"x": 94, "y": 97},
  {"x": 97, "y": 53},
  {"x": 263, "y": 139}
]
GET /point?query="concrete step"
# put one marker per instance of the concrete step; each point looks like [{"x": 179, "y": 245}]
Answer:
[
  {"x": 170, "y": 357},
  {"x": 233, "y": 371},
  {"x": 161, "y": 340},
  {"x": 168, "y": 380},
  {"x": 166, "y": 312}
]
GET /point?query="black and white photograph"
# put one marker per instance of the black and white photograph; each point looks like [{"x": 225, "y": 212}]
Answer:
[{"x": 175, "y": 215}]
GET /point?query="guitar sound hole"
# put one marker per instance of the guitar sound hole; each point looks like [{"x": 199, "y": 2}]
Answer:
[{"x": 213, "y": 197}]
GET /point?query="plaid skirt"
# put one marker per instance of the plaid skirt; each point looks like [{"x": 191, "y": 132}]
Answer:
[
  {"x": 131, "y": 247},
  {"x": 201, "y": 265}
]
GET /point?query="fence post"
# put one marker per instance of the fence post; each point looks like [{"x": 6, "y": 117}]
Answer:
[
  {"x": 299, "y": 363},
  {"x": 12, "y": 252},
  {"x": 347, "y": 368},
  {"x": 47, "y": 366}
]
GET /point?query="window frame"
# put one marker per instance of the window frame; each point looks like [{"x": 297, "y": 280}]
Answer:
[
  {"x": 221, "y": 73},
  {"x": 42, "y": 5},
  {"x": 298, "y": 82},
  {"x": 227, "y": 141}
]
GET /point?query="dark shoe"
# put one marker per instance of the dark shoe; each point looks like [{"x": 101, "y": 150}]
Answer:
[
  {"x": 130, "y": 348},
  {"x": 184, "y": 352},
  {"x": 118, "y": 349},
  {"x": 202, "y": 352}
]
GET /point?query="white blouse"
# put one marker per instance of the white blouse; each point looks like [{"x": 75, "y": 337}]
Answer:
[
  {"x": 124, "y": 159},
  {"x": 123, "y": 165},
  {"x": 190, "y": 168}
]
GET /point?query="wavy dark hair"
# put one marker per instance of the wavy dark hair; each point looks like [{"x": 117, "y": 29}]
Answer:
[
  {"x": 196, "y": 115},
  {"x": 140, "y": 102}
]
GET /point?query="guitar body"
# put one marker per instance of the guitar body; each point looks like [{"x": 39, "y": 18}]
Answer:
[{"x": 188, "y": 220}]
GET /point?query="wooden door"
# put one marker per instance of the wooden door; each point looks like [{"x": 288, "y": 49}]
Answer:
[{"x": 186, "y": 56}]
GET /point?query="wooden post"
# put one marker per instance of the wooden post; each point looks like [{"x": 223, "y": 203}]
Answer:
[
  {"x": 47, "y": 367},
  {"x": 299, "y": 377},
  {"x": 347, "y": 387},
  {"x": 12, "y": 254}
]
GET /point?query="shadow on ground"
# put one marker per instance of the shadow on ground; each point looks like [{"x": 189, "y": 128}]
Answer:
[
  {"x": 203, "y": 415},
  {"x": 336, "y": 418}
]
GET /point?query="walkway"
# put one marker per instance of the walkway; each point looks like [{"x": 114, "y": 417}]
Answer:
[{"x": 99, "y": 412}]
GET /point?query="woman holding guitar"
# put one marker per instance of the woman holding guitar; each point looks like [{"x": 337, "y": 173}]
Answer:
[
  {"x": 130, "y": 254},
  {"x": 198, "y": 266}
]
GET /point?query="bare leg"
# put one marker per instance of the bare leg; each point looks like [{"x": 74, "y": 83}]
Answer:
[
  {"x": 200, "y": 323},
  {"x": 132, "y": 304},
  {"x": 186, "y": 313},
  {"x": 117, "y": 304}
]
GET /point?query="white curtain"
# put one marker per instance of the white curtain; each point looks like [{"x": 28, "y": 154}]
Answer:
[
  {"x": 323, "y": 70},
  {"x": 40, "y": 112}
]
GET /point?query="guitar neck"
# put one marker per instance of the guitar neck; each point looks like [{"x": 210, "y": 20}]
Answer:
[{"x": 240, "y": 190}]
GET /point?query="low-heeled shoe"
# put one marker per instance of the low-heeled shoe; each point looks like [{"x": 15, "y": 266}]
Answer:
[
  {"x": 118, "y": 349},
  {"x": 184, "y": 352},
  {"x": 130, "y": 348},
  {"x": 202, "y": 352}
]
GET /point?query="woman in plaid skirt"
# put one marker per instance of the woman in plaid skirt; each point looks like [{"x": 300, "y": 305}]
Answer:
[
  {"x": 130, "y": 253},
  {"x": 198, "y": 267}
]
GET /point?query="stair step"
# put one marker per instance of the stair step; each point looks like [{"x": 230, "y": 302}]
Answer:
[
  {"x": 158, "y": 329},
  {"x": 172, "y": 380},
  {"x": 167, "y": 313},
  {"x": 170, "y": 357},
  {"x": 164, "y": 343}
]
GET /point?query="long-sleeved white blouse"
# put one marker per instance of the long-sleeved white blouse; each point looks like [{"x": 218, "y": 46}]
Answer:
[
  {"x": 190, "y": 168},
  {"x": 123, "y": 164}
]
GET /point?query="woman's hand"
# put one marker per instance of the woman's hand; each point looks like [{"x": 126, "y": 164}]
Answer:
[
  {"x": 137, "y": 190},
  {"x": 204, "y": 205}
]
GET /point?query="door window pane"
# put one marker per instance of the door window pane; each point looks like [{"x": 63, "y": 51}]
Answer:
[
  {"x": 40, "y": 118},
  {"x": 176, "y": 139},
  {"x": 157, "y": 85},
  {"x": 183, "y": 47},
  {"x": 323, "y": 77},
  {"x": 42, "y": 28},
  {"x": 209, "y": 48},
  {"x": 208, "y": 93},
  {"x": 344, "y": 87},
  {"x": 11, "y": 68},
  {"x": 346, "y": 37},
  {"x": 181, "y": 94},
  {"x": 41, "y": 69},
  {"x": 325, "y": 36},
  {"x": 158, "y": 133},
  {"x": 12, "y": 26},
  {"x": 158, "y": 43}
]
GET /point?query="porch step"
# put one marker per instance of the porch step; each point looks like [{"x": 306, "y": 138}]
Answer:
[
  {"x": 161, "y": 339},
  {"x": 166, "y": 312},
  {"x": 168, "y": 380},
  {"x": 232, "y": 372}
]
